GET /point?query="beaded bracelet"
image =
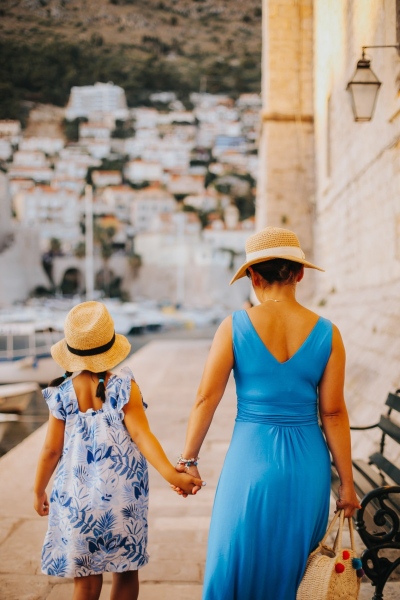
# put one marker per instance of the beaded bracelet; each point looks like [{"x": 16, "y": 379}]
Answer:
[{"x": 188, "y": 462}]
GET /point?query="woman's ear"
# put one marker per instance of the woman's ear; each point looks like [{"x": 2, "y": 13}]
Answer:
[
  {"x": 255, "y": 278},
  {"x": 300, "y": 275}
]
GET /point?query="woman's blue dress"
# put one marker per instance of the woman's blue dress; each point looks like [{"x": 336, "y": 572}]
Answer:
[{"x": 272, "y": 501}]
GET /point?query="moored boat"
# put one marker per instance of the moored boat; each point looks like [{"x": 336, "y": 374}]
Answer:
[{"x": 15, "y": 397}]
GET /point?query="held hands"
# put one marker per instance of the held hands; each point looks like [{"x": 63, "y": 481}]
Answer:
[
  {"x": 348, "y": 500},
  {"x": 41, "y": 504},
  {"x": 193, "y": 473}
]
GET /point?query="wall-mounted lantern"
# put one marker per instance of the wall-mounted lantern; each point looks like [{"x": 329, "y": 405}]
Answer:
[{"x": 364, "y": 87}]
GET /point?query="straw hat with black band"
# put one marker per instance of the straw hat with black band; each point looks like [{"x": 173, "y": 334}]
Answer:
[
  {"x": 270, "y": 243},
  {"x": 90, "y": 340}
]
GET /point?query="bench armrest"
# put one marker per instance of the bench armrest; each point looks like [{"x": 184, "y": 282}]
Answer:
[
  {"x": 363, "y": 428},
  {"x": 385, "y": 515}
]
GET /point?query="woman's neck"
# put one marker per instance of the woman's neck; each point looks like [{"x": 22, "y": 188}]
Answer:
[{"x": 276, "y": 293}]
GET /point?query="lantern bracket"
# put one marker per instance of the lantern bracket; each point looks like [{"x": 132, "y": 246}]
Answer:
[{"x": 363, "y": 48}]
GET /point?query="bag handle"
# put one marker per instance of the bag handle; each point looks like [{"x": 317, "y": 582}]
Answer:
[
  {"x": 330, "y": 527},
  {"x": 337, "y": 546}
]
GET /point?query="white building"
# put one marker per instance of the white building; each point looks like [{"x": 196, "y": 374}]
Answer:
[
  {"x": 49, "y": 146},
  {"x": 119, "y": 200},
  {"x": 103, "y": 179},
  {"x": 10, "y": 130},
  {"x": 170, "y": 152},
  {"x": 148, "y": 204},
  {"x": 74, "y": 162},
  {"x": 30, "y": 158},
  {"x": 97, "y": 99},
  {"x": 145, "y": 118},
  {"x": 138, "y": 171},
  {"x": 185, "y": 184},
  {"x": 6, "y": 149},
  {"x": 54, "y": 212},
  {"x": 94, "y": 130},
  {"x": 37, "y": 174}
]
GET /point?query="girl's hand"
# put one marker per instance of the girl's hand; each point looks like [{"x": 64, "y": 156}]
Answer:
[
  {"x": 41, "y": 504},
  {"x": 187, "y": 483},
  {"x": 348, "y": 500},
  {"x": 193, "y": 471}
]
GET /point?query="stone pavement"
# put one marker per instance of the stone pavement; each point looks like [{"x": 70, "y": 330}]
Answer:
[{"x": 168, "y": 373}]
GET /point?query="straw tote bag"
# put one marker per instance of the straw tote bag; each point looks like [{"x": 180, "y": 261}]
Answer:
[{"x": 332, "y": 573}]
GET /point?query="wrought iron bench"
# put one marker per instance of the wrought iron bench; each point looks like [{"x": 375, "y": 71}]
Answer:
[{"x": 377, "y": 482}]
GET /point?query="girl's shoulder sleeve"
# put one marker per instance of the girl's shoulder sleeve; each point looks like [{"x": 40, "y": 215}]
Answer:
[
  {"x": 54, "y": 400},
  {"x": 124, "y": 392}
]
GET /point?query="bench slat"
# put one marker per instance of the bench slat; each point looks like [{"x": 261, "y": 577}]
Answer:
[
  {"x": 393, "y": 401},
  {"x": 390, "y": 428},
  {"x": 374, "y": 477},
  {"x": 386, "y": 466},
  {"x": 365, "y": 479}
]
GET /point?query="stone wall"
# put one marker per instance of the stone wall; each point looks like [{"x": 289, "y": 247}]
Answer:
[
  {"x": 357, "y": 217},
  {"x": 324, "y": 174}
]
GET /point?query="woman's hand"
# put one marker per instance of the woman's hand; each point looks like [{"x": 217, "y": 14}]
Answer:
[
  {"x": 41, "y": 504},
  {"x": 186, "y": 483},
  {"x": 348, "y": 500},
  {"x": 194, "y": 472}
]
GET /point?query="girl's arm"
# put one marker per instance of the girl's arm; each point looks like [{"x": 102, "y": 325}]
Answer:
[
  {"x": 335, "y": 422},
  {"x": 139, "y": 430},
  {"x": 48, "y": 459}
]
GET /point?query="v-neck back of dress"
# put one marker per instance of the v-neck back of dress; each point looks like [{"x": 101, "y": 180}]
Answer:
[
  {"x": 299, "y": 349},
  {"x": 272, "y": 391}
]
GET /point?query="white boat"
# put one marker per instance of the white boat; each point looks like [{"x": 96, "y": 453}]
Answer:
[
  {"x": 15, "y": 397},
  {"x": 25, "y": 352}
]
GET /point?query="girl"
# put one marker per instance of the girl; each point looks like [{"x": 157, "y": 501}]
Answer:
[{"x": 99, "y": 437}]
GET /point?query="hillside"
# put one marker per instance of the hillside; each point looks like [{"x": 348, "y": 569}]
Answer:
[{"x": 46, "y": 46}]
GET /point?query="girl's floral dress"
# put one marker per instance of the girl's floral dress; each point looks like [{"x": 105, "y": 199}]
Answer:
[{"x": 98, "y": 505}]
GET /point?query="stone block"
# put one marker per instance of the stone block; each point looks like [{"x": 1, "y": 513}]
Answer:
[
  {"x": 24, "y": 587},
  {"x": 185, "y": 570},
  {"x": 21, "y": 552},
  {"x": 7, "y": 526},
  {"x": 168, "y": 591}
]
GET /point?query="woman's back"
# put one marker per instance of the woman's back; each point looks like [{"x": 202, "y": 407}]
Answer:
[{"x": 282, "y": 326}]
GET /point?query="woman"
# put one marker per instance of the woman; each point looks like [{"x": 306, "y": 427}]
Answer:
[{"x": 272, "y": 501}]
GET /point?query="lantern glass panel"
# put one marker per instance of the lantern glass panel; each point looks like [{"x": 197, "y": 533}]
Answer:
[{"x": 364, "y": 97}]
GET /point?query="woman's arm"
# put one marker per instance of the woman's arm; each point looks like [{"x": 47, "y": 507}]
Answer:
[
  {"x": 139, "y": 430},
  {"x": 48, "y": 459},
  {"x": 335, "y": 422},
  {"x": 216, "y": 373}
]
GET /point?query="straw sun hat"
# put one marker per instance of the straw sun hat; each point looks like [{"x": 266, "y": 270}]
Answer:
[
  {"x": 269, "y": 243},
  {"x": 90, "y": 340}
]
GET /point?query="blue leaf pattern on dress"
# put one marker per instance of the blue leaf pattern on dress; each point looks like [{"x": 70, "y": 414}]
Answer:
[{"x": 99, "y": 500}]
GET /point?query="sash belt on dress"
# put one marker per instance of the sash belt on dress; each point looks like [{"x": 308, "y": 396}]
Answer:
[{"x": 256, "y": 413}]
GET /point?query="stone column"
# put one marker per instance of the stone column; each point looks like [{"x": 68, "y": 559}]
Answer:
[{"x": 285, "y": 194}]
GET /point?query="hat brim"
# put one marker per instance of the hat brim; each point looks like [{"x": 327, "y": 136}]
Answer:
[
  {"x": 96, "y": 363},
  {"x": 242, "y": 271}
]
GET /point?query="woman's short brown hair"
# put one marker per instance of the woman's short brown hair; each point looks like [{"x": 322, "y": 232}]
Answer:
[{"x": 277, "y": 270}]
